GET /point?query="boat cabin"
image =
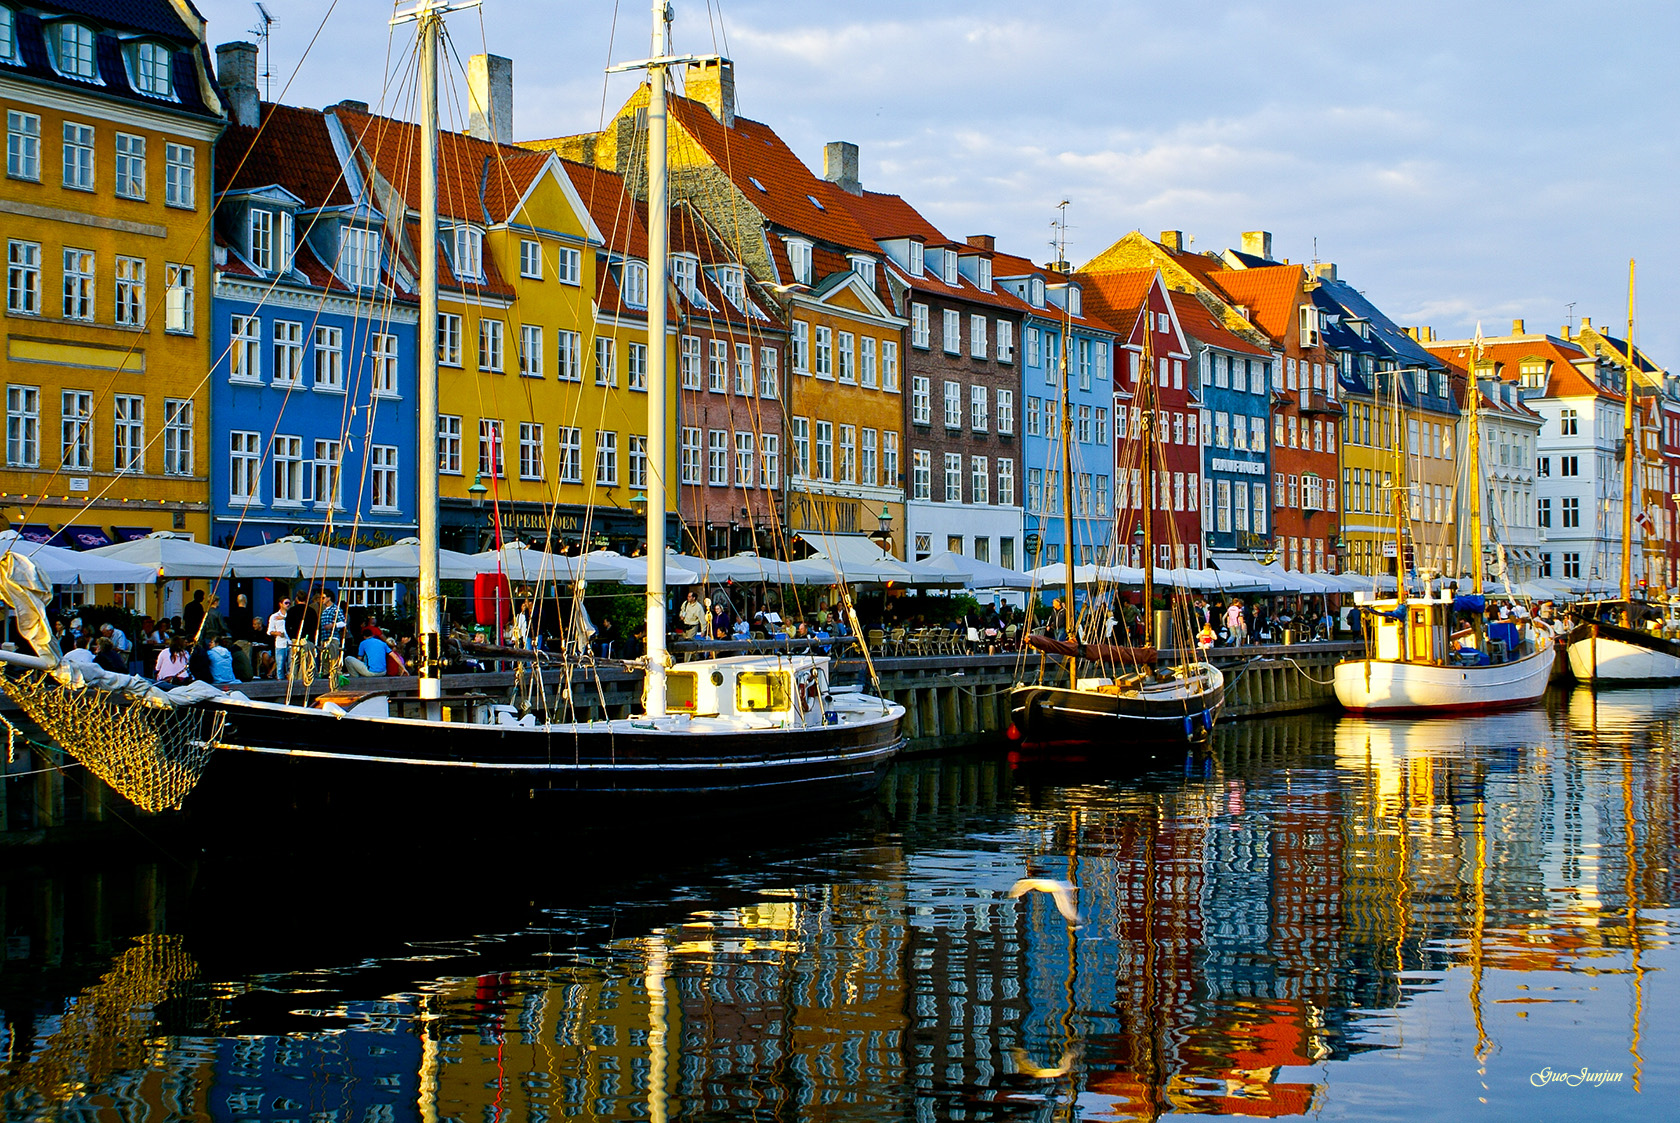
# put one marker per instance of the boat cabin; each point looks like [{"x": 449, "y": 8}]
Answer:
[
  {"x": 1439, "y": 628},
  {"x": 787, "y": 690}
]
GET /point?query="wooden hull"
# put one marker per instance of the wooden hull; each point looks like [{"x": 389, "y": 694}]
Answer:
[
  {"x": 296, "y": 762},
  {"x": 1611, "y": 655},
  {"x": 1370, "y": 686},
  {"x": 1121, "y": 726}
]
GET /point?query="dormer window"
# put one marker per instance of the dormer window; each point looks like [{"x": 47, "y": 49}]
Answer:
[
  {"x": 918, "y": 264},
  {"x": 261, "y": 243},
  {"x": 75, "y": 50},
  {"x": 986, "y": 274},
  {"x": 732, "y": 280},
  {"x": 1075, "y": 302},
  {"x": 635, "y": 284},
  {"x": 8, "y": 36},
  {"x": 1035, "y": 292},
  {"x": 799, "y": 260},
  {"x": 358, "y": 258},
  {"x": 150, "y": 65},
  {"x": 684, "y": 270},
  {"x": 469, "y": 253},
  {"x": 864, "y": 267},
  {"x": 948, "y": 267}
]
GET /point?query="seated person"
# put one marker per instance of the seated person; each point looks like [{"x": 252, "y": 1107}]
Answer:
[
  {"x": 370, "y": 658},
  {"x": 171, "y": 667},
  {"x": 79, "y": 652},
  {"x": 106, "y": 655},
  {"x": 221, "y": 662}
]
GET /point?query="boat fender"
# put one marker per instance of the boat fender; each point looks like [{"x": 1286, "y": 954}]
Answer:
[
  {"x": 1188, "y": 727},
  {"x": 1207, "y": 721}
]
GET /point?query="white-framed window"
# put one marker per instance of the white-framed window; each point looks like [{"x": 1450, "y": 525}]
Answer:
[
  {"x": 288, "y": 351},
  {"x": 689, "y": 456},
  {"x": 1035, "y": 490},
  {"x": 152, "y": 65},
  {"x": 823, "y": 465},
  {"x": 1034, "y": 356},
  {"x": 571, "y": 455},
  {"x": 177, "y": 436},
  {"x": 953, "y": 477},
  {"x": 822, "y": 352},
  {"x": 76, "y": 429},
  {"x": 358, "y": 257},
  {"x": 469, "y": 253},
  {"x": 745, "y": 459},
  {"x": 1035, "y": 424},
  {"x": 801, "y": 447},
  {"x": 1084, "y": 353},
  {"x": 531, "y": 350},
  {"x": 918, "y": 258},
  {"x": 245, "y": 349},
  {"x": 449, "y": 339},
  {"x": 846, "y": 471},
  {"x": 1005, "y": 412},
  {"x": 1101, "y": 435},
  {"x": 869, "y": 362},
  {"x": 921, "y": 474},
  {"x": 260, "y": 238},
  {"x": 128, "y": 440},
  {"x": 635, "y": 284},
  {"x": 245, "y": 466},
  {"x": 635, "y": 358},
  {"x": 23, "y": 278},
  {"x": 977, "y": 345},
  {"x": 743, "y": 370},
  {"x": 1005, "y": 341},
  {"x": 799, "y": 260},
  {"x": 23, "y": 145},
  {"x": 180, "y": 188},
  {"x": 606, "y": 361},
  {"x": 78, "y": 156},
  {"x": 329, "y": 474},
  {"x": 979, "y": 409},
  {"x": 130, "y": 166},
  {"x": 889, "y": 457},
  {"x": 948, "y": 267},
  {"x": 74, "y": 43},
  {"x": 732, "y": 280},
  {"x": 685, "y": 271},
  {"x": 869, "y": 465},
  {"x": 382, "y": 348},
  {"x": 920, "y": 333},
  {"x": 848, "y": 358},
  {"x": 131, "y": 291},
  {"x": 717, "y": 457},
  {"x": 530, "y": 450},
  {"x": 951, "y": 332},
  {"x": 801, "y": 347},
  {"x": 1082, "y": 424},
  {"x": 568, "y": 265},
  {"x": 449, "y": 443},
  {"x": 492, "y": 450},
  {"x": 287, "y": 477},
  {"x": 953, "y": 405},
  {"x": 383, "y": 477},
  {"x": 366, "y": 592},
  {"x": 769, "y": 375},
  {"x": 979, "y": 479},
  {"x": 1005, "y": 482},
  {"x": 637, "y": 455},
  {"x": 690, "y": 362},
  {"x": 889, "y": 365},
  {"x": 921, "y": 400},
  {"x": 717, "y": 366},
  {"x": 530, "y": 258},
  {"x": 606, "y": 457},
  {"x": 329, "y": 360},
  {"x": 78, "y": 284},
  {"x": 23, "y": 426},
  {"x": 769, "y": 459},
  {"x": 568, "y": 356}
]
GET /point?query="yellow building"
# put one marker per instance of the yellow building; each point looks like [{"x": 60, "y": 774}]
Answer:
[
  {"x": 534, "y": 428},
  {"x": 106, "y": 204}
]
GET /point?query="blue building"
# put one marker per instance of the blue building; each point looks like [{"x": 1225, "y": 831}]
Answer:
[
  {"x": 314, "y": 382},
  {"x": 1056, "y": 319}
]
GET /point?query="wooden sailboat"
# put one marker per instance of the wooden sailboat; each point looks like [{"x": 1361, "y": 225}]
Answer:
[
  {"x": 1439, "y": 652},
  {"x": 1615, "y": 644},
  {"x": 1113, "y": 715},
  {"x": 762, "y": 727}
]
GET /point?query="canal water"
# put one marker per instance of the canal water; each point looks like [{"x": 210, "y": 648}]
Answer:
[{"x": 1460, "y": 919}]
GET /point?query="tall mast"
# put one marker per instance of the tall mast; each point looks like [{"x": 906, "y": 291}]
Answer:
[
  {"x": 1146, "y": 427},
  {"x": 659, "y": 241},
  {"x": 1473, "y": 400},
  {"x": 1629, "y": 451},
  {"x": 1068, "y": 614}
]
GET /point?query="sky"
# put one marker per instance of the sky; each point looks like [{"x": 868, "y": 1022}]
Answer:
[{"x": 1459, "y": 162}]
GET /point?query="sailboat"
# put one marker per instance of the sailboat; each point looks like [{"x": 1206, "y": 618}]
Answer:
[
  {"x": 763, "y": 727},
  {"x": 1154, "y": 706},
  {"x": 1613, "y": 644},
  {"x": 1439, "y": 652}
]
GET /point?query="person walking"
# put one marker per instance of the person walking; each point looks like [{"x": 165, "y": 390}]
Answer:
[
  {"x": 277, "y": 635},
  {"x": 1235, "y": 624}
]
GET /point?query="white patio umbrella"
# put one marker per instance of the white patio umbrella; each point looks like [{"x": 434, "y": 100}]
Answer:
[
  {"x": 632, "y": 571},
  {"x": 1055, "y": 575},
  {"x": 402, "y": 559},
  {"x": 523, "y": 563},
  {"x": 169, "y": 558},
  {"x": 752, "y": 568},
  {"x": 980, "y": 574},
  {"x": 296, "y": 557},
  {"x": 67, "y": 567},
  {"x": 830, "y": 571}
]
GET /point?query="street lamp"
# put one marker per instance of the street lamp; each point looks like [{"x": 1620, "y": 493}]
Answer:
[
  {"x": 883, "y": 531},
  {"x": 1137, "y": 542},
  {"x": 477, "y": 492},
  {"x": 639, "y": 504}
]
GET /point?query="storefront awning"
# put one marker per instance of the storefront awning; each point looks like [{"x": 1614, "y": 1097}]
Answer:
[
  {"x": 81, "y": 537},
  {"x": 130, "y": 533},
  {"x": 34, "y": 532},
  {"x": 847, "y": 549}
]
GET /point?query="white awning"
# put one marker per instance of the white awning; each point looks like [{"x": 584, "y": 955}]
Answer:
[{"x": 847, "y": 549}]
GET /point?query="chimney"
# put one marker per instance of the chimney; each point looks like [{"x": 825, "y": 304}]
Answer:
[
  {"x": 1517, "y": 328},
  {"x": 711, "y": 82},
  {"x": 236, "y": 70},
  {"x": 1173, "y": 240},
  {"x": 1566, "y": 331},
  {"x": 1586, "y": 323},
  {"x": 1324, "y": 270},
  {"x": 840, "y": 166},
  {"x": 1257, "y": 243},
  {"x": 983, "y": 242},
  {"x": 490, "y": 98}
]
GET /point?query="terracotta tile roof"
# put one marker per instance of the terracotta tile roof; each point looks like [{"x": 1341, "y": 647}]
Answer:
[
  {"x": 785, "y": 187},
  {"x": 1202, "y": 326},
  {"x": 305, "y": 261},
  {"x": 291, "y": 148},
  {"x": 1565, "y": 379},
  {"x": 622, "y": 221},
  {"x": 1008, "y": 265},
  {"x": 492, "y": 285},
  {"x": 1269, "y": 293}
]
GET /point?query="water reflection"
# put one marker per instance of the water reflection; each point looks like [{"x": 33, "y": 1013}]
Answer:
[{"x": 1344, "y": 918}]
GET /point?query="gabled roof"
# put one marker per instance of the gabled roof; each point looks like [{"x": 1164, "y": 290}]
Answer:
[
  {"x": 1565, "y": 379},
  {"x": 291, "y": 148},
  {"x": 1269, "y": 293},
  {"x": 112, "y": 22},
  {"x": 1201, "y": 325},
  {"x": 785, "y": 187},
  {"x": 1008, "y": 266}
]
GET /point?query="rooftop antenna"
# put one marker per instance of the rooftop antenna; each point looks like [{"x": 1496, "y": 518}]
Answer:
[
  {"x": 261, "y": 31},
  {"x": 1569, "y": 317}
]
